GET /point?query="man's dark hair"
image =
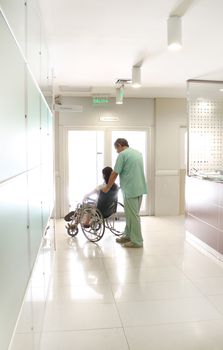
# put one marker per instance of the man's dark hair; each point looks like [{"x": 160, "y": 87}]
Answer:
[
  {"x": 106, "y": 173},
  {"x": 121, "y": 142}
]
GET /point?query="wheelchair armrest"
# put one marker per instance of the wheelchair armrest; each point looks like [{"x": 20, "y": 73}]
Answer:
[{"x": 90, "y": 200}]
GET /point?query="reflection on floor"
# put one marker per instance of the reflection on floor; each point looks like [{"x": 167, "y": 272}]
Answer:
[{"x": 166, "y": 296}]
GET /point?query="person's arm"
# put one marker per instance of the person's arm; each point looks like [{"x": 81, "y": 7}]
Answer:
[
  {"x": 90, "y": 194},
  {"x": 111, "y": 181}
]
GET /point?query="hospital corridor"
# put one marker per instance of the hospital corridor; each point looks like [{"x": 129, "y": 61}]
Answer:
[{"x": 111, "y": 175}]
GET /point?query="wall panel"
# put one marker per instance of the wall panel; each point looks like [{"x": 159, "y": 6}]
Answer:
[
  {"x": 33, "y": 38},
  {"x": 14, "y": 255},
  {"x": 14, "y": 10},
  {"x": 12, "y": 99},
  {"x": 35, "y": 212},
  {"x": 33, "y": 123}
]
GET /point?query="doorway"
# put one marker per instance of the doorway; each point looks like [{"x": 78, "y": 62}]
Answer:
[{"x": 88, "y": 151}]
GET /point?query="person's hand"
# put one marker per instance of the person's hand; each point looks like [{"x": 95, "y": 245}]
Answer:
[
  {"x": 85, "y": 198},
  {"x": 105, "y": 189}
]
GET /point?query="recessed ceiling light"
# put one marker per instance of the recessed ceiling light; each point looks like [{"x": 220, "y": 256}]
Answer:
[
  {"x": 109, "y": 119},
  {"x": 174, "y": 33}
]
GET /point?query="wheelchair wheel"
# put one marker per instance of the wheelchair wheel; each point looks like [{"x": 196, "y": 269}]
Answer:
[
  {"x": 116, "y": 222},
  {"x": 95, "y": 228},
  {"x": 72, "y": 230},
  {"x": 72, "y": 226},
  {"x": 111, "y": 224}
]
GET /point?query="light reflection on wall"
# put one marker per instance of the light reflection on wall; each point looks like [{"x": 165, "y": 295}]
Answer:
[{"x": 205, "y": 128}]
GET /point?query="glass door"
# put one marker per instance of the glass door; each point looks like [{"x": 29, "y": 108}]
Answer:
[
  {"x": 85, "y": 162},
  {"x": 91, "y": 150}
]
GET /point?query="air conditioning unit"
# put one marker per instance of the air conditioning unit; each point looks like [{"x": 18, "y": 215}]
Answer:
[{"x": 68, "y": 108}]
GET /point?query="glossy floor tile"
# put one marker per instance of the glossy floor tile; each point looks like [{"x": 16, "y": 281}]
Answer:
[
  {"x": 167, "y": 311},
  {"x": 150, "y": 274},
  {"x": 27, "y": 341},
  {"x": 73, "y": 316},
  {"x": 92, "y": 293},
  {"x": 217, "y": 301},
  {"x": 166, "y": 296},
  {"x": 209, "y": 286},
  {"x": 187, "y": 336},
  {"x": 109, "y": 339},
  {"x": 154, "y": 291}
]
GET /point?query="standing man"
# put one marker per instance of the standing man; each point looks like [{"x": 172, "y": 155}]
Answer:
[{"x": 129, "y": 166}]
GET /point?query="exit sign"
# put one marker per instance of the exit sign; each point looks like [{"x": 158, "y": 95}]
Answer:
[{"x": 100, "y": 101}]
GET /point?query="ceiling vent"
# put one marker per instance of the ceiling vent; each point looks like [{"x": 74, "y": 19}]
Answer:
[
  {"x": 60, "y": 107},
  {"x": 123, "y": 81}
]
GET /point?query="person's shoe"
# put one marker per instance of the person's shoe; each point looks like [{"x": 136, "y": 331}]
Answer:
[
  {"x": 132, "y": 245},
  {"x": 122, "y": 239}
]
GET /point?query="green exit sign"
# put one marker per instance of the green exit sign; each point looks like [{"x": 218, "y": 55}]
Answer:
[{"x": 100, "y": 100}]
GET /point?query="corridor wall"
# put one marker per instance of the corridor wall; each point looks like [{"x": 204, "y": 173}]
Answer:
[
  {"x": 26, "y": 155},
  {"x": 171, "y": 115}
]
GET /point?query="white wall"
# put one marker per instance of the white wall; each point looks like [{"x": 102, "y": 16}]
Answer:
[
  {"x": 165, "y": 121},
  {"x": 170, "y": 115},
  {"x": 134, "y": 113}
]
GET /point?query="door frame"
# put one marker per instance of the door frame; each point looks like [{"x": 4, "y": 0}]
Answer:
[{"x": 63, "y": 160}]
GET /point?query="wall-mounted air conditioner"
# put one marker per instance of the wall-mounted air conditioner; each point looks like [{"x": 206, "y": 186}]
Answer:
[{"x": 68, "y": 108}]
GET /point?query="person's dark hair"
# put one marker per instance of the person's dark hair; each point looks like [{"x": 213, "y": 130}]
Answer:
[
  {"x": 121, "y": 142},
  {"x": 106, "y": 173}
]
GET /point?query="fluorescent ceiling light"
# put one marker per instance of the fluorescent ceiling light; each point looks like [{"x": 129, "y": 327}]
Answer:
[
  {"x": 136, "y": 77},
  {"x": 109, "y": 118},
  {"x": 174, "y": 33}
]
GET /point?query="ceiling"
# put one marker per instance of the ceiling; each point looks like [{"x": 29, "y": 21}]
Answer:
[{"x": 93, "y": 43}]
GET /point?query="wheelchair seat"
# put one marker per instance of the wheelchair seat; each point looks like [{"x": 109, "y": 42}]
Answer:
[{"x": 107, "y": 202}]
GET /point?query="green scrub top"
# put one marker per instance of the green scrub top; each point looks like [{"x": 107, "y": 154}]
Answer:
[{"x": 129, "y": 166}]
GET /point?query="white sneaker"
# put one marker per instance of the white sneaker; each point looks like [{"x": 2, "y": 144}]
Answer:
[{"x": 123, "y": 239}]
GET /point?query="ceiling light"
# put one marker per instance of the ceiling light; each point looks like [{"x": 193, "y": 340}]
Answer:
[
  {"x": 174, "y": 33},
  {"x": 109, "y": 118},
  {"x": 221, "y": 90},
  {"x": 136, "y": 77},
  {"x": 119, "y": 95}
]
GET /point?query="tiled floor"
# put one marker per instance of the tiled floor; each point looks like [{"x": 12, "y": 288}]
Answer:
[{"x": 166, "y": 296}]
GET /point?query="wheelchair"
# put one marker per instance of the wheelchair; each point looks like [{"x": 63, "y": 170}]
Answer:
[{"x": 92, "y": 222}]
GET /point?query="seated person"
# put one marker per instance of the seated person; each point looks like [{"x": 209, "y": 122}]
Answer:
[{"x": 106, "y": 202}]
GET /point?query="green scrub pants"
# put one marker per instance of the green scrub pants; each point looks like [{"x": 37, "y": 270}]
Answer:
[{"x": 133, "y": 225}]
